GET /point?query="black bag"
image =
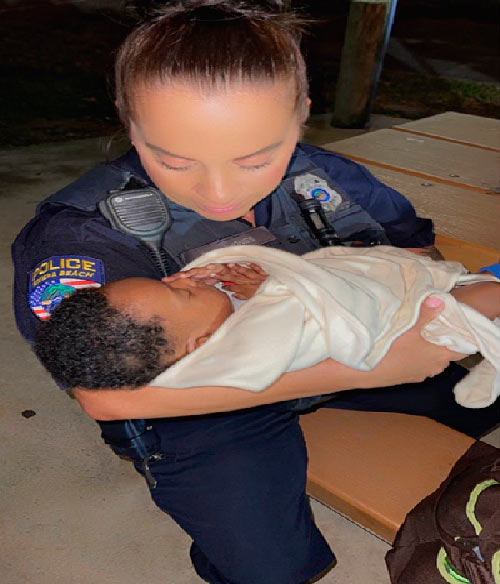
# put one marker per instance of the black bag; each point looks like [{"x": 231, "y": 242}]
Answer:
[{"x": 453, "y": 535}]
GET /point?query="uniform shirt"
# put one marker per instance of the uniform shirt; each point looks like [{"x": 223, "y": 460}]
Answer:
[{"x": 70, "y": 239}]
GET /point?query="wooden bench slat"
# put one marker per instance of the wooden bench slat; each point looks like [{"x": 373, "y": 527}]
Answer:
[
  {"x": 374, "y": 467},
  {"x": 472, "y": 256},
  {"x": 456, "y": 212},
  {"x": 431, "y": 159},
  {"x": 474, "y": 130}
]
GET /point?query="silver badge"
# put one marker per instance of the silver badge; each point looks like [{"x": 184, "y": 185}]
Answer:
[{"x": 311, "y": 186}]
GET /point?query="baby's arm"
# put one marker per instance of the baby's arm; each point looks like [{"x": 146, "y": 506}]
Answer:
[
  {"x": 245, "y": 280},
  {"x": 242, "y": 280}
]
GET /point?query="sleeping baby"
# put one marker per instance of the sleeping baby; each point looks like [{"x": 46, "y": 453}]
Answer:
[{"x": 348, "y": 304}]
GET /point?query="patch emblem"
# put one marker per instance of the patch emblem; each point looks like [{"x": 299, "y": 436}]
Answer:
[
  {"x": 311, "y": 186},
  {"x": 58, "y": 277},
  {"x": 322, "y": 195}
]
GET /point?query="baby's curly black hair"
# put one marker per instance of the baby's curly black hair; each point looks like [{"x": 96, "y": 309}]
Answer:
[{"x": 86, "y": 342}]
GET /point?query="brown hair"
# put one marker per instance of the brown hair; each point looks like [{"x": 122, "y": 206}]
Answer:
[{"x": 210, "y": 43}]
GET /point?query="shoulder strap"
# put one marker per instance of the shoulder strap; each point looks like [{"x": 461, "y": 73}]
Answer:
[{"x": 86, "y": 192}]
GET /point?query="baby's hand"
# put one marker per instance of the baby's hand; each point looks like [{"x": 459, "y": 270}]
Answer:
[
  {"x": 210, "y": 274},
  {"x": 243, "y": 281}
]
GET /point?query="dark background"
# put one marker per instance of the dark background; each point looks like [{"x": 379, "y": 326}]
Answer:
[{"x": 56, "y": 63}]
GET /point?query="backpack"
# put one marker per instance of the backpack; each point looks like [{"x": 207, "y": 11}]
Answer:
[{"x": 453, "y": 535}]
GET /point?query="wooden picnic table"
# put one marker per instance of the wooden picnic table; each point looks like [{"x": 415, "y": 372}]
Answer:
[
  {"x": 448, "y": 165},
  {"x": 375, "y": 467}
]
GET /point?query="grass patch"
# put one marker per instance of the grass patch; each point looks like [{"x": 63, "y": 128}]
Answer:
[
  {"x": 485, "y": 92},
  {"x": 49, "y": 106},
  {"x": 412, "y": 87},
  {"x": 411, "y": 95}
]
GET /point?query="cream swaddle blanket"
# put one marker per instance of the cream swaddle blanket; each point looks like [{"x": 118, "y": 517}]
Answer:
[{"x": 349, "y": 304}]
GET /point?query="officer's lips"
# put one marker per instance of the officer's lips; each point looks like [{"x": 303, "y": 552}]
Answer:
[{"x": 219, "y": 210}]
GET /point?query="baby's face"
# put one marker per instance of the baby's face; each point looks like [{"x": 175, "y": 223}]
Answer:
[{"x": 188, "y": 310}]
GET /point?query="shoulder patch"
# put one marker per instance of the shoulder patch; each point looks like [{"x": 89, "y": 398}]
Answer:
[{"x": 55, "y": 278}]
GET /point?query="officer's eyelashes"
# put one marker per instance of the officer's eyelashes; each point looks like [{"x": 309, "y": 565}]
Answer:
[
  {"x": 261, "y": 158},
  {"x": 255, "y": 166},
  {"x": 170, "y": 167},
  {"x": 188, "y": 167}
]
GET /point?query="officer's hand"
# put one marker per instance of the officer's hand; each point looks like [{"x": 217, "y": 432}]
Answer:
[{"x": 411, "y": 358}]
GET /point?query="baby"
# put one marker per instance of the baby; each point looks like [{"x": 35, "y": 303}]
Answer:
[
  {"x": 345, "y": 303},
  {"x": 126, "y": 333}
]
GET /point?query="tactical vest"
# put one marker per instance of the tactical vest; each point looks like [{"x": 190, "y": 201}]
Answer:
[{"x": 136, "y": 438}]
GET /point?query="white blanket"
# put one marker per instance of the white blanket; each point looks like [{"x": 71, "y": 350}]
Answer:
[{"x": 349, "y": 304}]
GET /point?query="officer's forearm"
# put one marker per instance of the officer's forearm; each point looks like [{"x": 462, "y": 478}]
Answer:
[
  {"x": 410, "y": 359},
  {"x": 157, "y": 402}
]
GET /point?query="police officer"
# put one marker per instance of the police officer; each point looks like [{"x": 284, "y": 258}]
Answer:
[{"x": 213, "y": 95}]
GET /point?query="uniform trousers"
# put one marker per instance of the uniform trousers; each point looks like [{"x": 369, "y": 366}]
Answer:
[{"x": 235, "y": 482}]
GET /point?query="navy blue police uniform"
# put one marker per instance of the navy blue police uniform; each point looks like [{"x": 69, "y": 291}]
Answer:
[{"x": 235, "y": 482}]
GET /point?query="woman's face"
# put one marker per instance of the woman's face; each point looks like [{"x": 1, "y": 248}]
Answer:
[{"x": 217, "y": 152}]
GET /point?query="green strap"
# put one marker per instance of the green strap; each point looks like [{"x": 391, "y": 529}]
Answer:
[
  {"x": 472, "y": 502},
  {"x": 495, "y": 566},
  {"x": 448, "y": 571}
]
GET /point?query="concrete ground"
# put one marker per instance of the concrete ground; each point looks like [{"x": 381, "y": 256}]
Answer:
[{"x": 71, "y": 511}]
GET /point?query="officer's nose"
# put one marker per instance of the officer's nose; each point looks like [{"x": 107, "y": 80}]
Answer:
[{"x": 215, "y": 189}]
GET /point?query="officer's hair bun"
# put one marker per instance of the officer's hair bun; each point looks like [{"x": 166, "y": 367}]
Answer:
[
  {"x": 262, "y": 8},
  {"x": 278, "y": 11},
  {"x": 211, "y": 43}
]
